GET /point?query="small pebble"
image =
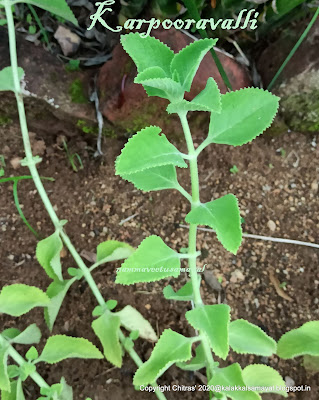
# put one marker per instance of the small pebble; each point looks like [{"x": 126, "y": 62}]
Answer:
[{"x": 271, "y": 225}]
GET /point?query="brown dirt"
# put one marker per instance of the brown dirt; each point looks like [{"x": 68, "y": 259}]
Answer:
[{"x": 94, "y": 201}]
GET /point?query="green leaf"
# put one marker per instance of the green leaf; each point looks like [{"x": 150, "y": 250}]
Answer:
[
  {"x": 56, "y": 292},
  {"x": 208, "y": 99},
  {"x": 263, "y": 377},
  {"x": 19, "y": 299},
  {"x": 170, "y": 348},
  {"x": 300, "y": 341},
  {"x": 107, "y": 328},
  {"x": 152, "y": 261},
  {"x": 152, "y": 73},
  {"x": 113, "y": 250},
  {"x": 67, "y": 391},
  {"x": 32, "y": 354},
  {"x": 6, "y": 78},
  {"x": 223, "y": 216},
  {"x": 30, "y": 335},
  {"x": 57, "y": 7},
  {"x": 147, "y": 52},
  {"x": 12, "y": 393},
  {"x": 111, "y": 304},
  {"x": 245, "y": 114},
  {"x": 4, "y": 379},
  {"x": 132, "y": 320},
  {"x": 197, "y": 362},
  {"x": 187, "y": 61},
  {"x": 214, "y": 322},
  {"x": 147, "y": 149},
  {"x": 166, "y": 88},
  {"x": 157, "y": 178},
  {"x": 48, "y": 254},
  {"x": 61, "y": 347},
  {"x": 229, "y": 377},
  {"x": 247, "y": 338},
  {"x": 185, "y": 293},
  {"x": 3, "y": 22}
]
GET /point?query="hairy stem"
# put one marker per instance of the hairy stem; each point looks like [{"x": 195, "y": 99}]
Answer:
[
  {"x": 192, "y": 237},
  {"x": 35, "y": 376},
  {"x": 30, "y": 162}
]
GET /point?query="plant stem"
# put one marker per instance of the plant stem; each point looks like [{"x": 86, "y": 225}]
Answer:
[
  {"x": 192, "y": 237},
  {"x": 293, "y": 51},
  {"x": 35, "y": 376},
  {"x": 38, "y": 183}
]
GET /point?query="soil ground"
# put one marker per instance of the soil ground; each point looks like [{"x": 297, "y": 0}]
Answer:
[{"x": 271, "y": 184}]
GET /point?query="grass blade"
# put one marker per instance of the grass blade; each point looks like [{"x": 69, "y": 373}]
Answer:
[{"x": 293, "y": 51}]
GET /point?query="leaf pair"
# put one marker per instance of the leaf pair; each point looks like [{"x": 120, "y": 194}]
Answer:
[
  {"x": 148, "y": 160},
  {"x": 49, "y": 256},
  {"x": 214, "y": 322},
  {"x": 242, "y": 336},
  {"x": 160, "y": 71},
  {"x": 265, "y": 378},
  {"x": 107, "y": 329}
]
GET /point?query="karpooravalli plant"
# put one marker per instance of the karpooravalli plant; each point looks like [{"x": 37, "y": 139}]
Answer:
[
  {"x": 18, "y": 299},
  {"x": 149, "y": 161}
]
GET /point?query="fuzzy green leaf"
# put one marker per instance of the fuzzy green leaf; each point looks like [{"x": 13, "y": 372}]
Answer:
[
  {"x": 107, "y": 328},
  {"x": 6, "y": 78},
  {"x": 32, "y": 354},
  {"x": 56, "y": 7},
  {"x": 263, "y": 376},
  {"x": 300, "y": 341},
  {"x": 187, "y": 61},
  {"x": 247, "y": 338},
  {"x": 170, "y": 348},
  {"x": 185, "y": 293},
  {"x": 197, "y": 362},
  {"x": 166, "y": 88},
  {"x": 61, "y": 347},
  {"x": 245, "y": 115},
  {"x": 48, "y": 254},
  {"x": 214, "y": 321},
  {"x": 147, "y": 149},
  {"x": 30, "y": 335},
  {"x": 147, "y": 52},
  {"x": 152, "y": 73},
  {"x": 157, "y": 178},
  {"x": 12, "y": 393},
  {"x": 113, "y": 250},
  {"x": 4, "y": 378},
  {"x": 208, "y": 99},
  {"x": 18, "y": 299},
  {"x": 132, "y": 320},
  {"x": 229, "y": 377},
  {"x": 152, "y": 261},
  {"x": 223, "y": 216},
  {"x": 56, "y": 292}
]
